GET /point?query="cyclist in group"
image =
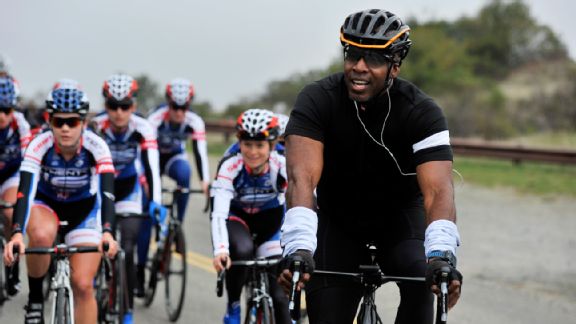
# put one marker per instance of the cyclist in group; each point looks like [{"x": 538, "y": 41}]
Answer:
[
  {"x": 175, "y": 123},
  {"x": 248, "y": 208},
  {"x": 66, "y": 175},
  {"x": 132, "y": 141},
  {"x": 279, "y": 147},
  {"x": 378, "y": 151},
  {"x": 40, "y": 121},
  {"x": 14, "y": 137}
]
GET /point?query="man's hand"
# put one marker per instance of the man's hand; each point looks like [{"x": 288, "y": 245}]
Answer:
[
  {"x": 435, "y": 268},
  {"x": 16, "y": 240},
  {"x": 221, "y": 262},
  {"x": 285, "y": 277}
]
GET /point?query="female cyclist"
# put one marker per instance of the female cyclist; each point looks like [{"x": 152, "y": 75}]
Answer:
[
  {"x": 66, "y": 175},
  {"x": 248, "y": 207}
]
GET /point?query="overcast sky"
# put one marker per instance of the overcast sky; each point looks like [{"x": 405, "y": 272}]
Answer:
[{"x": 229, "y": 49}]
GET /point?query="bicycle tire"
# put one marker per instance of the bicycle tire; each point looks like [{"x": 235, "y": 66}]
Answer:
[
  {"x": 150, "y": 290},
  {"x": 101, "y": 292},
  {"x": 368, "y": 314},
  {"x": 48, "y": 279},
  {"x": 251, "y": 315},
  {"x": 62, "y": 312},
  {"x": 3, "y": 292},
  {"x": 120, "y": 288},
  {"x": 175, "y": 267},
  {"x": 265, "y": 312}
]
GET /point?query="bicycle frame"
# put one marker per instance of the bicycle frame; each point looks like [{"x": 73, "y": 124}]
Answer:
[
  {"x": 258, "y": 287},
  {"x": 61, "y": 284}
]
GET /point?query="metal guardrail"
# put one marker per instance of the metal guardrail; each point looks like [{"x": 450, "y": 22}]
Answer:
[{"x": 461, "y": 146}]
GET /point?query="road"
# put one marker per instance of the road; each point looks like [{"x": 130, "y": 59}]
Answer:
[{"x": 517, "y": 258}]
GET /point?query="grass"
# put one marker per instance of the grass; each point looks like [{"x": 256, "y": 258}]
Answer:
[{"x": 527, "y": 177}]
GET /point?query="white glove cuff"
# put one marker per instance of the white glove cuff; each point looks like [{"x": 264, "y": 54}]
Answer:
[
  {"x": 441, "y": 235},
  {"x": 299, "y": 230}
]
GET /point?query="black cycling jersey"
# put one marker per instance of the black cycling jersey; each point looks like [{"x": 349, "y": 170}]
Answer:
[{"x": 361, "y": 184}]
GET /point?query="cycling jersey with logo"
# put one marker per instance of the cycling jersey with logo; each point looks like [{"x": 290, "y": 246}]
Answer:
[
  {"x": 235, "y": 188},
  {"x": 13, "y": 141},
  {"x": 172, "y": 137},
  {"x": 362, "y": 180},
  {"x": 137, "y": 144}
]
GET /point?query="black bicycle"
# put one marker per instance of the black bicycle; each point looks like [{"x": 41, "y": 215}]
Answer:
[
  {"x": 168, "y": 262},
  {"x": 4, "y": 272},
  {"x": 371, "y": 277},
  {"x": 260, "y": 307},
  {"x": 112, "y": 289}
]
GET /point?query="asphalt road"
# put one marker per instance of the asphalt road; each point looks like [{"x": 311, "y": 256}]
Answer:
[{"x": 517, "y": 258}]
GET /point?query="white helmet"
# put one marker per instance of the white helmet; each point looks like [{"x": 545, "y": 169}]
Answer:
[
  {"x": 67, "y": 84},
  {"x": 120, "y": 87},
  {"x": 4, "y": 64},
  {"x": 282, "y": 122},
  {"x": 257, "y": 124},
  {"x": 179, "y": 92}
]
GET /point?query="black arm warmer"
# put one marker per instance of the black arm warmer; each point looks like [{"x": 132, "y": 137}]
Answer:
[
  {"x": 107, "y": 193},
  {"x": 198, "y": 159},
  {"x": 21, "y": 207},
  {"x": 148, "y": 173}
]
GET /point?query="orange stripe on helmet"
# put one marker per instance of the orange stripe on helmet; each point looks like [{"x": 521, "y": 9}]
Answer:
[{"x": 347, "y": 41}]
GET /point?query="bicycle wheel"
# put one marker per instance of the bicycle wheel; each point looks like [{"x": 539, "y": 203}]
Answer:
[
  {"x": 251, "y": 314},
  {"x": 174, "y": 261},
  {"x": 119, "y": 294},
  {"x": 62, "y": 314},
  {"x": 265, "y": 312},
  {"x": 154, "y": 269},
  {"x": 102, "y": 292},
  {"x": 3, "y": 293},
  {"x": 48, "y": 279},
  {"x": 368, "y": 314}
]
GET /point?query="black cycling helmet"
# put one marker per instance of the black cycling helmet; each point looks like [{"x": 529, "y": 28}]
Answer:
[
  {"x": 377, "y": 29},
  {"x": 67, "y": 100}
]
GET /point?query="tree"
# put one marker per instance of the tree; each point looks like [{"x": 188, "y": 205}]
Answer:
[{"x": 149, "y": 96}]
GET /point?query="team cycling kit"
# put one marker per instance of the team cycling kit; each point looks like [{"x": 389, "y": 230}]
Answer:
[
  {"x": 172, "y": 146},
  {"x": 368, "y": 191},
  {"x": 78, "y": 191},
  {"x": 134, "y": 151},
  {"x": 247, "y": 214},
  {"x": 13, "y": 141}
]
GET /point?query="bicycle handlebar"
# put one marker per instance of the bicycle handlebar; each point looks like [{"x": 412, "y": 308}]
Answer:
[
  {"x": 294, "y": 298},
  {"x": 61, "y": 249},
  {"x": 256, "y": 263},
  {"x": 361, "y": 276},
  {"x": 182, "y": 190},
  {"x": 442, "y": 304}
]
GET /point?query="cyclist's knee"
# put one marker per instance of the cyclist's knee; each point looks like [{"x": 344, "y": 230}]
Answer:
[{"x": 83, "y": 287}]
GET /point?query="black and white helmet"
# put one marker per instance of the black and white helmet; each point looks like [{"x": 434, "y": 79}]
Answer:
[
  {"x": 120, "y": 88},
  {"x": 379, "y": 30},
  {"x": 257, "y": 124},
  {"x": 282, "y": 122},
  {"x": 180, "y": 92}
]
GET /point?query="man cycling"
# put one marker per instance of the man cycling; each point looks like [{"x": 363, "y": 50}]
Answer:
[
  {"x": 377, "y": 149},
  {"x": 14, "y": 137},
  {"x": 66, "y": 175},
  {"x": 132, "y": 141},
  {"x": 248, "y": 201}
]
